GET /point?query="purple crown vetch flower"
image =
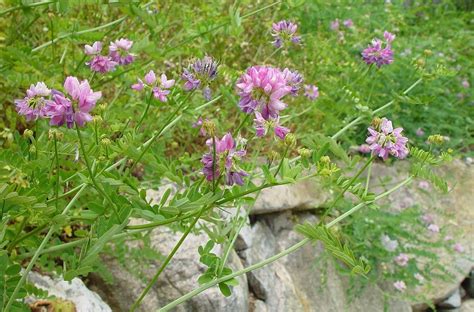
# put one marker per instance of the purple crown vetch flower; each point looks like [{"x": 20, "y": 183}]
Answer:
[
  {"x": 226, "y": 154},
  {"x": 262, "y": 126},
  {"x": 262, "y": 88},
  {"x": 311, "y": 92},
  {"x": 99, "y": 63},
  {"x": 384, "y": 140},
  {"x": 294, "y": 79},
  {"x": 284, "y": 32},
  {"x": 119, "y": 51},
  {"x": 74, "y": 110},
  {"x": 377, "y": 53},
  {"x": 200, "y": 74},
  {"x": 158, "y": 87},
  {"x": 32, "y": 106}
]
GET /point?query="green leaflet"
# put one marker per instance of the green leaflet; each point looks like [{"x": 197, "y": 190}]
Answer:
[{"x": 334, "y": 246}]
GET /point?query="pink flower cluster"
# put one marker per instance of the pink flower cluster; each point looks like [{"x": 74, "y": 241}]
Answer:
[
  {"x": 377, "y": 53},
  {"x": 118, "y": 55},
  {"x": 60, "y": 109},
  {"x": 160, "y": 89},
  {"x": 384, "y": 140},
  {"x": 221, "y": 158},
  {"x": 284, "y": 32},
  {"x": 334, "y": 25}
]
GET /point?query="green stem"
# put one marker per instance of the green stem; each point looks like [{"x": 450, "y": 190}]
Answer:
[
  {"x": 341, "y": 194},
  {"x": 91, "y": 174},
  {"x": 166, "y": 262},
  {"x": 38, "y": 252},
  {"x": 367, "y": 182},
  {"x": 57, "y": 169},
  {"x": 145, "y": 112},
  {"x": 275, "y": 257},
  {"x": 281, "y": 161},
  {"x": 32, "y": 5}
]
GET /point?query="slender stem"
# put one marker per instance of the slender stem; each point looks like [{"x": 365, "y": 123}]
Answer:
[
  {"x": 91, "y": 174},
  {"x": 57, "y": 169},
  {"x": 38, "y": 252},
  {"x": 26, "y": 6},
  {"x": 145, "y": 112},
  {"x": 281, "y": 161},
  {"x": 167, "y": 261},
  {"x": 351, "y": 181},
  {"x": 275, "y": 257},
  {"x": 367, "y": 182},
  {"x": 247, "y": 116}
]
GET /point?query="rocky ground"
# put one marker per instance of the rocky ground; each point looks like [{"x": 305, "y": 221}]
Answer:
[{"x": 293, "y": 283}]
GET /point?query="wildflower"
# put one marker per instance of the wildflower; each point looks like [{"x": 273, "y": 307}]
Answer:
[
  {"x": 419, "y": 277},
  {"x": 427, "y": 218},
  {"x": 119, "y": 51},
  {"x": 364, "y": 149},
  {"x": 262, "y": 126},
  {"x": 102, "y": 64},
  {"x": 433, "y": 228},
  {"x": 334, "y": 24},
  {"x": 263, "y": 87},
  {"x": 385, "y": 141},
  {"x": 465, "y": 84},
  {"x": 436, "y": 139},
  {"x": 200, "y": 74},
  {"x": 311, "y": 92},
  {"x": 388, "y": 243},
  {"x": 284, "y": 32},
  {"x": 402, "y": 259},
  {"x": 420, "y": 132},
  {"x": 160, "y": 89},
  {"x": 458, "y": 248},
  {"x": 199, "y": 124},
  {"x": 389, "y": 37},
  {"x": 294, "y": 80},
  {"x": 63, "y": 110},
  {"x": 348, "y": 23},
  {"x": 400, "y": 286},
  {"x": 424, "y": 185},
  {"x": 225, "y": 154},
  {"x": 375, "y": 53},
  {"x": 32, "y": 106},
  {"x": 94, "y": 49}
]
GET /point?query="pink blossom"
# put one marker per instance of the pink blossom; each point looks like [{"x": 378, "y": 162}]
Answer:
[
  {"x": 385, "y": 141},
  {"x": 63, "y": 110},
  {"x": 159, "y": 88},
  {"x": 465, "y": 84},
  {"x": 433, "y": 228},
  {"x": 424, "y": 185},
  {"x": 33, "y": 104},
  {"x": 402, "y": 259},
  {"x": 102, "y": 64},
  {"x": 427, "y": 218},
  {"x": 200, "y": 74},
  {"x": 334, "y": 24},
  {"x": 94, "y": 49},
  {"x": 458, "y": 248},
  {"x": 119, "y": 51},
  {"x": 311, "y": 92},
  {"x": 293, "y": 79},
  {"x": 348, "y": 23},
  {"x": 420, "y": 132},
  {"x": 262, "y": 126},
  {"x": 419, "y": 277},
  {"x": 364, "y": 149},
  {"x": 284, "y": 32},
  {"x": 375, "y": 53},
  {"x": 262, "y": 88},
  {"x": 400, "y": 286},
  {"x": 389, "y": 37}
]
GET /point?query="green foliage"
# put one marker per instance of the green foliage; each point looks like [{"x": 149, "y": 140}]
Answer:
[{"x": 334, "y": 246}]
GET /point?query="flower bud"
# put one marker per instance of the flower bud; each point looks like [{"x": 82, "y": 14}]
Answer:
[
  {"x": 101, "y": 107},
  {"x": 290, "y": 140},
  {"x": 273, "y": 156},
  {"x": 105, "y": 141},
  {"x": 55, "y": 133},
  {"x": 304, "y": 152},
  {"x": 436, "y": 139},
  {"x": 428, "y": 52},
  {"x": 174, "y": 144},
  {"x": 376, "y": 122},
  {"x": 27, "y": 134},
  {"x": 209, "y": 127},
  {"x": 420, "y": 62},
  {"x": 97, "y": 119},
  {"x": 32, "y": 149},
  {"x": 325, "y": 159}
]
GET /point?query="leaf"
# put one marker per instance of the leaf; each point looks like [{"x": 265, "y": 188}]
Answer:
[
  {"x": 225, "y": 290},
  {"x": 13, "y": 269}
]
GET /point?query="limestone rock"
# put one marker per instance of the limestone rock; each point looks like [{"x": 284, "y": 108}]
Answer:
[
  {"x": 294, "y": 283},
  {"x": 304, "y": 195},
  {"x": 179, "y": 277},
  {"x": 467, "y": 306},
  {"x": 74, "y": 291},
  {"x": 452, "y": 302}
]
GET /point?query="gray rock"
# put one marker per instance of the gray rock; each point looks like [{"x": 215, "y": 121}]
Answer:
[
  {"x": 178, "y": 278},
  {"x": 75, "y": 291},
  {"x": 294, "y": 283},
  {"x": 452, "y": 302},
  {"x": 467, "y": 306},
  {"x": 457, "y": 209},
  {"x": 303, "y": 195}
]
